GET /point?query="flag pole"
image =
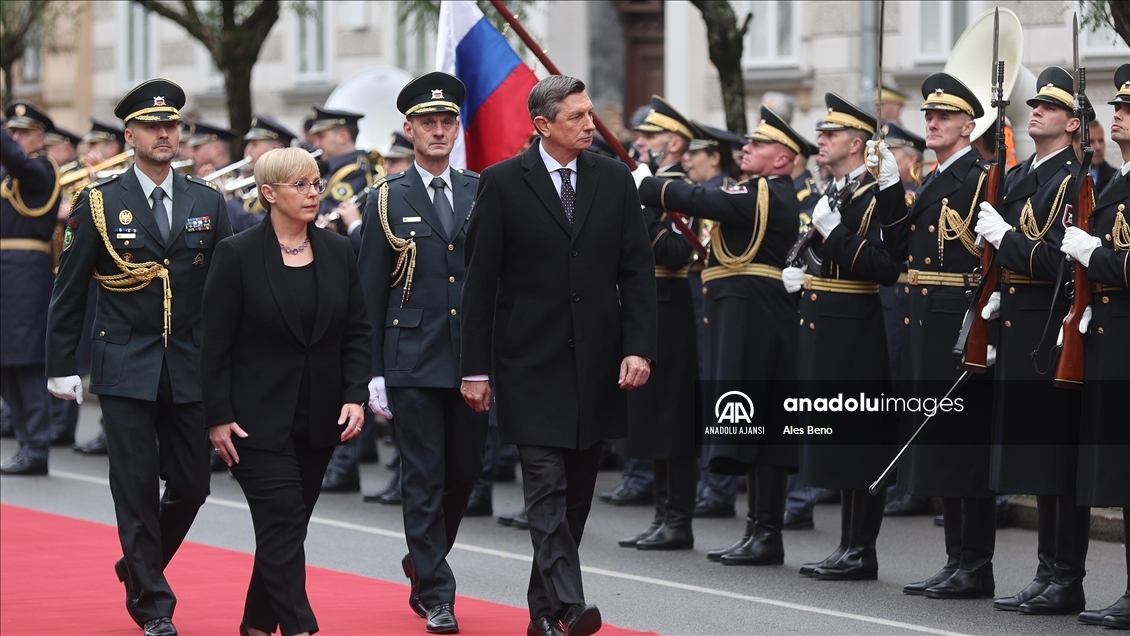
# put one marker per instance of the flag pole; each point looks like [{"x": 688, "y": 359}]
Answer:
[{"x": 677, "y": 218}]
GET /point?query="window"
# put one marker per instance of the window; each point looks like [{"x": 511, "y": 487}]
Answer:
[
  {"x": 31, "y": 64},
  {"x": 772, "y": 38},
  {"x": 140, "y": 43},
  {"x": 940, "y": 24},
  {"x": 1104, "y": 40},
  {"x": 312, "y": 40}
]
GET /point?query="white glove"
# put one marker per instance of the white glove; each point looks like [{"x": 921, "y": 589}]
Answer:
[
  {"x": 990, "y": 225},
  {"x": 885, "y": 159},
  {"x": 793, "y": 278},
  {"x": 1084, "y": 322},
  {"x": 992, "y": 309},
  {"x": 67, "y": 388},
  {"x": 641, "y": 172},
  {"x": 823, "y": 218},
  {"x": 378, "y": 397},
  {"x": 1079, "y": 246},
  {"x": 990, "y": 356}
]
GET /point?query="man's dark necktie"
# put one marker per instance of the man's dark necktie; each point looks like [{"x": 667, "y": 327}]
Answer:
[
  {"x": 443, "y": 206},
  {"x": 568, "y": 194},
  {"x": 160, "y": 213}
]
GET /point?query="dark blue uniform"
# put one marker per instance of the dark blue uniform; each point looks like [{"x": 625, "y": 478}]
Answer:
[
  {"x": 346, "y": 176},
  {"x": 244, "y": 214}
]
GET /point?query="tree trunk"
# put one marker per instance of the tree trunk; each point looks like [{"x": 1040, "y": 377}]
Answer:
[
  {"x": 1120, "y": 16},
  {"x": 6, "y": 68},
  {"x": 725, "y": 41},
  {"x": 237, "y": 83}
]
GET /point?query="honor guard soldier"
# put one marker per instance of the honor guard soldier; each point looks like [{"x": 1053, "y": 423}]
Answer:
[
  {"x": 1035, "y": 425},
  {"x": 951, "y": 458},
  {"x": 412, "y": 270},
  {"x": 908, "y": 149},
  {"x": 1104, "y": 441},
  {"x": 347, "y": 168},
  {"x": 210, "y": 147},
  {"x": 265, "y": 134},
  {"x": 842, "y": 340},
  {"x": 29, "y": 199},
  {"x": 146, "y": 235},
  {"x": 400, "y": 154},
  {"x": 750, "y": 319},
  {"x": 662, "y": 417},
  {"x": 807, "y": 192}
]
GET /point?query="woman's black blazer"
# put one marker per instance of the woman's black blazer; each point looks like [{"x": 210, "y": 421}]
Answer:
[{"x": 253, "y": 346}]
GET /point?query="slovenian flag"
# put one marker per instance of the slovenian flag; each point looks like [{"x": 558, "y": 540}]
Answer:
[{"x": 496, "y": 121}]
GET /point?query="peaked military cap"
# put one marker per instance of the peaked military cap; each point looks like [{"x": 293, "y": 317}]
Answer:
[
  {"x": 664, "y": 118},
  {"x": 153, "y": 100},
  {"x": 400, "y": 148},
  {"x": 808, "y": 148},
  {"x": 203, "y": 133},
  {"x": 58, "y": 135},
  {"x": 898, "y": 137},
  {"x": 263, "y": 127},
  {"x": 103, "y": 131},
  {"x": 23, "y": 115},
  {"x": 711, "y": 138},
  {"x": 945, "y": 92},
  {"x": 843, "y": 115},
  {"x": 1055, "y": 86},
  {"x": 1122, "y": 85},
  {"x": 322, "y": 119},
  {"x": 774, "y": 128},
  {"x": 891, "y": 95},
  {"x": 435, "y": 92}
]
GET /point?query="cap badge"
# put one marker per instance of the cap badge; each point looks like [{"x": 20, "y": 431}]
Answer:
[
  {"x": 437, "y": 93},
  {"x": 159, "y": 100},
  {"x": 254, "y": 122},
  {"x": 20, "y": 110},
  {"x": 938, "y": 92}
]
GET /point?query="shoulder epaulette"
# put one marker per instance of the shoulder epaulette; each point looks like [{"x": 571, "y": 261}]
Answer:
[
  {"x": 670, "y": 175},
  {"x": 863, "y": 188},
  {"x": 389, "y": 178},
  {"x": 198, "y": 181},
  {"x": 467, "y": 173}
]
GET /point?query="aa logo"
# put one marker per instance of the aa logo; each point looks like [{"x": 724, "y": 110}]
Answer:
[{"x": 733, "y": 407}]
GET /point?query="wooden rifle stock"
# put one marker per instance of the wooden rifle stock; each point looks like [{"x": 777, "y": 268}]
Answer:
[
  {"x": 1069, "y": 370},
  {"x": 972, "y": 348}
]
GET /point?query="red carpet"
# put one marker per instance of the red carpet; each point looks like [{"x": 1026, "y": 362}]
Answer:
[{"x": 56, "y": 578}]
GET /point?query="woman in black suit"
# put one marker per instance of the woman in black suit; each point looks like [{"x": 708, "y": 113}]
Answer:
[{"x": 285, "y": 358}]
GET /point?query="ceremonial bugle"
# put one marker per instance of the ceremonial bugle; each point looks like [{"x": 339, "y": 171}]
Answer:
[
  {"x": 971, "y": 351},
  {"x": 357, "y": 199},
  {"x": 77, "y": 179},
  {"x": 1069, "y": 369},
  {"x": 677, "y": 218},
  {"x": 231, "y": 167}
]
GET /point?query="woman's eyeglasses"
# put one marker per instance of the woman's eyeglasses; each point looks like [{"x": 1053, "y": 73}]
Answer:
[{"x": 303, "y": 186}]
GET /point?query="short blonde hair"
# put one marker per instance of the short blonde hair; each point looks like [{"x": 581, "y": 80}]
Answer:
[{"x": 282, "y": 165}]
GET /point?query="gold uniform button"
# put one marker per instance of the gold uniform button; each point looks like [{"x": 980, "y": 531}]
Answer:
[
  {"x": 802, "y": 322},
  {"x": 924, "y": 290},
  {"x": 450, "y": 247},
  {"x": 704, "y": 290},
  {"x": 451, "y": 279},
  {"x": 927, "y": 259},
  {"x": 453, "y": 312},
  {"x": 910, "y": 258},
  {"x": 1106, "y": 299},
  {"x": 906, "y": 321},
  {"x": 706, "y": 321},
  {"x": 1008, "y": 323},
  {"x": 930, "y": 230},
  {"x": 395, "y": 322},
  {"x": 1012, "y": 290},
  {"x": 101, "y": 334},
  {"x": 127, "y": 242},
  {"x": 811, "y": 325},
  {"x": 912, "y": 228},
  {"x": 412, "y": 233},
  {"x": 1100, "y": 331},
  {"x": 813, "y": 297},
  {"x": 919, "y": 323},
  {"x": 906, "y": 289},
  {"x": 166, "y": 261},
  {"x": 1108, "y": 238}
]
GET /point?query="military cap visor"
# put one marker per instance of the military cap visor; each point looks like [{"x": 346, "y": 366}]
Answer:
[
  {"x": 843, "y": 115},
  {"x": 57, "y": 136},
  {"x": 888, "y": 95},
  {"x": 711, "y": 138},
  {"x": 205, "y": 133},
  {"x": 774, "y": 129},
  {"x": 435, "y": 92},
  {"x": 1054, "y": 86},
  {"x": 322, "y": 119},
  {"x": 664, "y": 118},
  {"x": 898, "y": 137},
  {"x": 1122, "y": 85},
  {"x": 26, "y": 116},
  {"x": 103, "y": 131},
  {"x": 942, "y": 91},
  {"x": 267, "y": 129},
  {"x": 154, "y": 100},
  {"x": 400, "y": 147}
]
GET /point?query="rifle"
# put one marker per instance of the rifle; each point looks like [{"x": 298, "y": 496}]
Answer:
[
  {"x": 971, "y": 351},
  {"x": 1069, "y": 370},
  {"x": 679, "y": 219},
  {"x": 843, "y": 196}
]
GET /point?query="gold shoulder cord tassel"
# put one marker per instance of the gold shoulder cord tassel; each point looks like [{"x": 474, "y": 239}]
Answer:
[
  {"x": 133, "y": 276},
  {"x": 952, "y": 227},
  {"x": 10, "y": 189},
  {"x": 722, "y": 253},
  {"x": 1120, "y": 235},
  {"x": 405, "y": 248}
]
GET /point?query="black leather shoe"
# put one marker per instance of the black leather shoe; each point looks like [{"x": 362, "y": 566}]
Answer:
[
  {"x": 63, "y": 439},
  {"x": 857, "y": 564},
  {"x": 716, "y": 555},
  {"x": 414, "y": 595},
  {"x": 940, "y": 521},
  {"x": 607, "y": 495},
  {"x": 906, "y": 506},
  {"x": 977, "y": 583},
  {"x": 1013, "y": 603},
  {"x": 390, "y": 496},
  {"x": 1057, "y": 599},
  {"x": 544, "y": 626},
  {"x": 668, "y": 538},
  {"x": 159, "y": 627},
  {"x": 122, "y": 571},
  {"x": 756, "y": 551},
  {"x": 517, "y": 520},
  {"x": 630, "y": 542},
  {"x": 477, "y": 507},
  {"x": 632, "y": 497},
  {"x": 22, "y": 465},
  {"x": 919, "y": 588},
  {"x": 809, "y": 569},
  {"x": 581, "y": 620},
  {"x": 441, "y": 620},
  {"x": 1121, "y": 607},
  {"x": 794, "y": 522},
  {"x": 337, "y": 482},
  {"x": 93, "y": 446},
  {"x": 706, "y": 509},
  {"x": 1120, "y": 621}
]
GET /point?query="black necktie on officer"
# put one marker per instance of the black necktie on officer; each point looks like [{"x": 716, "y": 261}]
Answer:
[
  {"x": 443, "y": 206},
  {"x": 160, "y": 212}
]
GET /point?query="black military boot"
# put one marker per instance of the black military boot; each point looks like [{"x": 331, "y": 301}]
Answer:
[
  {"x": 716, "y": 555},
  {"x": 1064, "y": 595},
  {"x": 659, "y": 468},
  {"x": 1045, "y": 553},
  {"x": 974, "y": 577},
  {"x": 1120, "y": 611},
  {"x": 845, "y": 535},
  {"x": 951, "y": 526},
  {"x": 860, "y": 561},
  {"x": 676, "y": 532},
  {"x": 766, "y": 546}
]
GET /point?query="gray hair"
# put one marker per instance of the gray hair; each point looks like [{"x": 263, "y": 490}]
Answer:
[
  {"x": 546, "y": 97},
  {"x": 782, "y": 104}
]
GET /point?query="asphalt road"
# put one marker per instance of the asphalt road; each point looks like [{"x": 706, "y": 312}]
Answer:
[{"x": 668, "y": 593}]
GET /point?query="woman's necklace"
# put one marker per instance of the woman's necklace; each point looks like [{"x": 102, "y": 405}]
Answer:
[{"x": 296, "y": 250}]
